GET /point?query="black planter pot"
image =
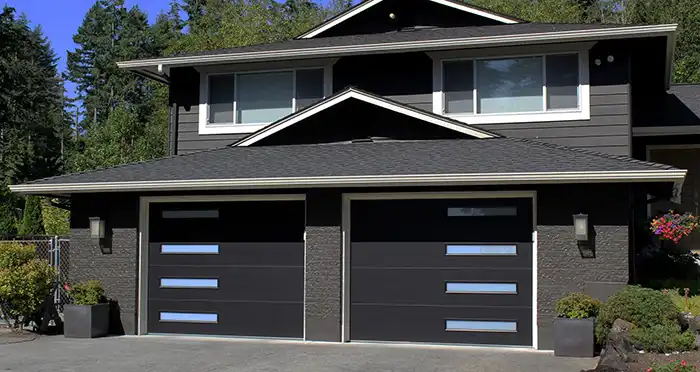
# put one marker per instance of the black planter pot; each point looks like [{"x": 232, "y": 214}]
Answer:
[
  {"x": 574, "y": 337},
  {"x": 86, "y": 321}
]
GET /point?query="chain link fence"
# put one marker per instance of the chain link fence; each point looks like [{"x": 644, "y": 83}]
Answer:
[{"x": 54, "y": 250}]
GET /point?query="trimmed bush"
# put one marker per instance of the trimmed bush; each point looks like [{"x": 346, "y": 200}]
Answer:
[
  {"x": 24, "y": 282},
  {"x": 32, "y": 222},
  {"x": 56, "y": 220},
  {"x": 87, "y": 293},
  {"x": 662, "y": 338},
  {"x": 577, "y": 306},
  {"x": 643, "y": 307}
]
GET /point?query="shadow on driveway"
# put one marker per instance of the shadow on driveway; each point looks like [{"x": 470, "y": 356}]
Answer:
[{"x": 171, "y": 354}]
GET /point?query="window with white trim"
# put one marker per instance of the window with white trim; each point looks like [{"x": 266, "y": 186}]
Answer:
[
  {"x": 542, "y": 87},
  {"x": 256, "y": 99}
]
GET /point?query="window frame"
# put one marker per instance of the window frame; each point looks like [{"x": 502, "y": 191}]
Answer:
[
  {"x": 205, "y": 127},
  {"x": 583, "y": 112}
]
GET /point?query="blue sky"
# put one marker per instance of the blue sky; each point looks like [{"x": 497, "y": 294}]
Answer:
[{"x": 60, "y": 19}]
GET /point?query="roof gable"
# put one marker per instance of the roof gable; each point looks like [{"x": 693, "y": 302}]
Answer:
[
  {"x": 376, "y": 101},
  {"x": 378, "y": 16}
]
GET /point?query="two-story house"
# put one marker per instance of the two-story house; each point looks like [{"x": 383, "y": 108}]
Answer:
[{"x": 406, "y": 171}]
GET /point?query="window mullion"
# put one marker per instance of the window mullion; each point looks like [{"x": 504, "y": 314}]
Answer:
[
  {"x": 235, "y": 98},
  {"x": 475, "y": 93},
  {"x": 544, "y": 83},
  {"x": 294, "y": 90}
]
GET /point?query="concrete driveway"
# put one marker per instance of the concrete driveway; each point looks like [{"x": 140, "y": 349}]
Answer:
[{"x": 170, "y": 354}]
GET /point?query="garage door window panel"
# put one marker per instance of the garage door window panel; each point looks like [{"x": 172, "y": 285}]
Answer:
[
  {"x": 480, "y": 326},
  {"x": 481, "y": 288}
]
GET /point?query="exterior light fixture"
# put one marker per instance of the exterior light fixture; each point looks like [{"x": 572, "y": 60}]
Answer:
[
  {"x": 581, "y": 227},
  {"x": 611, "y": 58},
  {"x": 598, "y": 62},
  {"x": 97, "y": 233},
  {"x": 392, "y": 15}
]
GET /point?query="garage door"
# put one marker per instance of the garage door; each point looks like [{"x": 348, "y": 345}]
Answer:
[
  {"x": 445, "y": 271},
  {"x": 226, "y": 268}
]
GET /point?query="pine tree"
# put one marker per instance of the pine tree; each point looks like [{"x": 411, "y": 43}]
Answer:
[
  {"x": 32, "y": 221},
  {"x": 32, "y": 121},
  {"x": 8, "y": 221}
]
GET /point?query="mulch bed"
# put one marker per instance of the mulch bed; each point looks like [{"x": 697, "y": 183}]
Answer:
[
  {"x": 644, "y": 361},
  {"x": 8, "y": 336}
]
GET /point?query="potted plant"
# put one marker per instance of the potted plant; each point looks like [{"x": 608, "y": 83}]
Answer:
[
  {"x": 88, "y": 315},
  {"x": 574, "y": 325}
]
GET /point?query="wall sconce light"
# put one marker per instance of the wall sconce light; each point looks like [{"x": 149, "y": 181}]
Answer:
[
  {"x": 581, "y": 227},
  {"x": 97, "y": 233}
]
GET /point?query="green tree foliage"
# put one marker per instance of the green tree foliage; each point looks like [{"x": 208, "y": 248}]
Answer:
[
  {"x": 222, "y": 24},
  {"x": 8, "y": 219},
  {"x": 547, "y": 11},
  {"x": 24, "y": 282},
  {"x": 32, "y": 221},
  {"x": 33, "y": 123},
  {"x": 56, "y": 220}
]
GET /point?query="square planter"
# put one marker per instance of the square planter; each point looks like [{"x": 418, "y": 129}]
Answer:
[
  {"x": 574, "y": 337},
  {"x": 86, "y": 321}
]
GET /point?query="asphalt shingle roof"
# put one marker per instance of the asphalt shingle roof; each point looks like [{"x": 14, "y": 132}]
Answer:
[
  {"x": 435, "y": 157},
  {"x": 689, "y": 94},
  {"x": 410, "y": 35}
]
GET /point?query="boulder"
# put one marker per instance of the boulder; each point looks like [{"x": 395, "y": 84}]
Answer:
[
  {"x": 604, "y": 369},
  {"x": 618, "y": 349}
]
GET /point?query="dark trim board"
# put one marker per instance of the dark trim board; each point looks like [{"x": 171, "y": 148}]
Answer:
[{"x": 398, "y": 279}]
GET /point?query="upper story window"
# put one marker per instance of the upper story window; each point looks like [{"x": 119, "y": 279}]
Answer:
[
  {"x": 530, "y": 88},
  {"x": 243, "y": 102}
]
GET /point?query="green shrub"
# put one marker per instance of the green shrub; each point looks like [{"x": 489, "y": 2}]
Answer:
[
  {"x": 56, "y": 220},
  {"x": 643, "y": 307},
  {"x": 87, "y": 293},
  {"x": 689, "y": 305},
  {"x": 662, "y": 338},
  {"x": 32, "y": 222},
  {"x": 24, "y": 281},
  {"x": 677, "y": 366},
  {"x": 13, "y": 255},
  {"x": 578, "y": 305}
]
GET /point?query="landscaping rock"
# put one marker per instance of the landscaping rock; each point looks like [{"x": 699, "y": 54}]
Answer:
[
  {"x": 604, "y": 369},
  {"x": 618, "y": 350}
]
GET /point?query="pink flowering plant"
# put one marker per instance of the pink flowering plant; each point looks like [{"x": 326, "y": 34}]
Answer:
[{"x": 673, "y": 226}]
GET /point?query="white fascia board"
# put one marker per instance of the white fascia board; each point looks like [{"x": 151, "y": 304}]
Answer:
[
  {"x": 340, "y": 19},
  {"x": 535, "y": 38},
  {"x": 368, "y": 4},
  {"x": 674, "y": 175},
  {"x": 274, "y": 128},
  {"x": 475, "y": 11}
]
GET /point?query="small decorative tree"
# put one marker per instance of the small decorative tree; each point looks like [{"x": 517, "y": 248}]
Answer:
[
  {"x": 32, "y": 223},
  {"x": 674, "y": 226},
  {"x": 24, "y": 282}
]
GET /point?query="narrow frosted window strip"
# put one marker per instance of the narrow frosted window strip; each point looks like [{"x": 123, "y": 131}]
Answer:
[
  {"x": 212, "y": 213},
  {"x": 481, "y": 211},
  {"x": 480, "y": 326},
  {"x": 189, "y": 317},
  {"x": 188, "y": 283},
  {"x": 481, "y": 250},
  {"x": 189, "y": 249},
  {"x": 489, "y": 288}
]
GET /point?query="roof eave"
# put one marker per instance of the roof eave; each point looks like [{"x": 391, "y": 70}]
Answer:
[
  {"x": 658, "y": 175},
  {"x": 154, "y": 66}
]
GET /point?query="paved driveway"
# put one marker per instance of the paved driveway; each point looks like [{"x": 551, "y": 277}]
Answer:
[{"x": 166, "y": 354}]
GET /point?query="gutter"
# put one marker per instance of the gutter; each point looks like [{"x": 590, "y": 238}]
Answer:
[
  {"x": 535, "y": 38},
  {"x": 661, "y": 175}
]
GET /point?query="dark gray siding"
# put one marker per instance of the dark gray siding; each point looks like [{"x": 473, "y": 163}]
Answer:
[
  {"x": 403, "y": 77},
  {"x": 117, "y": 271},
  {"x": 608, "y": 130},
  {"x": 409, "y": 13},
  {"x": 185, "y": 99}
]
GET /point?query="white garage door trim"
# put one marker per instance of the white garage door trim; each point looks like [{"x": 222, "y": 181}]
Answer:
[
  {"x": 144, "y": 206},
  {"x": 347, "y": 198}
]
